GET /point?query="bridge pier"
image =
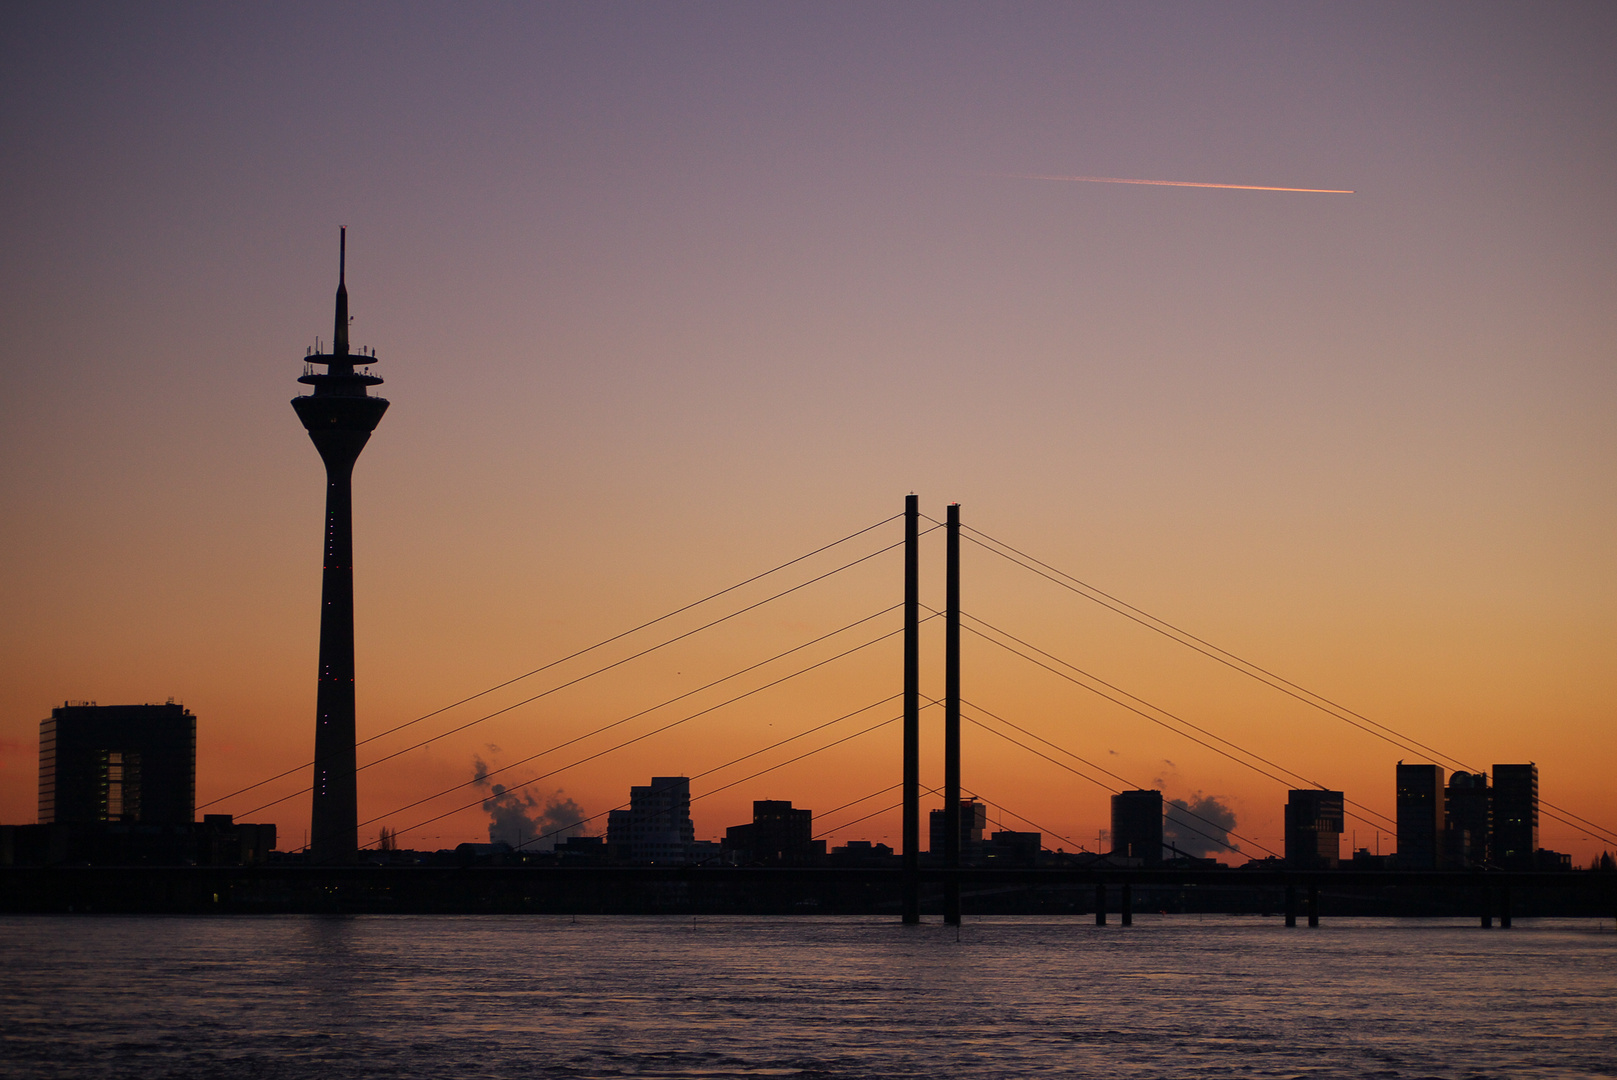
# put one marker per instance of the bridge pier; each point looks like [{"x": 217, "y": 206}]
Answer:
[
  {"x": 1504, "y": 907},
  {"x": 1100, "y": 905},
  {"x": 1127, "y": 914},
  {"x": 951, "y": 718},
  {"x": 912, "y": 710},
  {"x": 1487, "y": 907},
  {"x": 1291, "y": 905},
  {"x": 1313, "y": 905}
]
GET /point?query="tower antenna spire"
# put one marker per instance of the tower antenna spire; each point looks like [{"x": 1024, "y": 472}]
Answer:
[{"x": 339, "y": 339}]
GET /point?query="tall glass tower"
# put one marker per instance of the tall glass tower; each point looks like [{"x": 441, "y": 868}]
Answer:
[{"x": 340, "y": 416}]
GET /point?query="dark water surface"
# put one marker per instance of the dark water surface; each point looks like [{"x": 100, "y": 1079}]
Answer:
[{"x": 1173, "y": 996}]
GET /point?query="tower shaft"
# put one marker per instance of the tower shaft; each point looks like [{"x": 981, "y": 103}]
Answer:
[{"x": 334, "y": 817}]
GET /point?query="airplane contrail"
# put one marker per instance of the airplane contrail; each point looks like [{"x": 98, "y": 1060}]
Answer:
[{"x": 1178, "y": 183}]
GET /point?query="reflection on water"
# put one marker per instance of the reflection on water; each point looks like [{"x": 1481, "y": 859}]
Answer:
[{"x": 470, "y": 996}]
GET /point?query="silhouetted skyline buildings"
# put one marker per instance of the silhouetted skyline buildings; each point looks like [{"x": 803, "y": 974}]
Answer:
[
  {"x": 1470, "y": 822},
  {"x": 118, "y": 767}
]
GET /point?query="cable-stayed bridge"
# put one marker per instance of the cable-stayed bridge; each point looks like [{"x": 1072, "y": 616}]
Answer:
[{"x": 829, "y": 740}]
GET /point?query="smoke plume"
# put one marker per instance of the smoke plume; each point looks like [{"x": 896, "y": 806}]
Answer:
[
  {"x": 1199, "y": 826},
  {"x": 524, "y": 819}
]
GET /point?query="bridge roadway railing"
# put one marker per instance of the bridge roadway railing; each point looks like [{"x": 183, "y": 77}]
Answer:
[{"x": 1103, "y": 891}]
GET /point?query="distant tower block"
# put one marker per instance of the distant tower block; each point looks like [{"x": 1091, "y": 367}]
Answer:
[
  {"x": 1137, "y": 826},
  {"x": 340, "y": 416}
]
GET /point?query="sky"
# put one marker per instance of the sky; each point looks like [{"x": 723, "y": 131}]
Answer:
[{"x": 668, "y": 295}]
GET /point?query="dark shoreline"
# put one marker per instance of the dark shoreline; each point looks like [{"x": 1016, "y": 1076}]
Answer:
[{"x": 779, "y": 891}]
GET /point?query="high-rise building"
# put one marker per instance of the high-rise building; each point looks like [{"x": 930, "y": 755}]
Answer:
[
  {"x": 1515, "y": 815},
  {"x": 656, "y": 828},
  {"x": 118, "y": 763},
  {"x": 973, "y": 821},
  {"x": 1468, "y": 817},
  {"x": 340, "y": 416},
  {"x": 1420, "y": 816},
  {"x": 1137, "y": 825},
  {"x": 1314, "y": 820}
]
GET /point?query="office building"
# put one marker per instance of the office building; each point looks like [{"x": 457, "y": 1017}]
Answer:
[
  {"x": 1137, "y": 826},
  {"x": 1314, "y": 820},
  {"x": 1468, "y": 818},
  {"x": 1009, "y": 848},
  {"x": 118, "y": 763},
  {"x": 1515, "y": 815},
  {"x": 1420, "y": 816},
  {"x": 778, "y": 835},
  {"x": 973, "y": 821},
  {"x": 656, "y": 829}
]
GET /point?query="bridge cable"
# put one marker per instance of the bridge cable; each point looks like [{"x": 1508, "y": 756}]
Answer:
[
  {"x": 1237, "y": 663},
  {"x": 1148, "y": 716},
  {"x": 1196, "y": 644},
  {"x": 592, "y": 648},
  {"x": 1184, "y": 811},
  {"x": 1044, "y": 830},
  {"x": 588, "y": 734},
  {"x": 873, "y": 813},
  {"x": 707, "y": 772},
  {"x": 856, "y": 802},
  {"x": 627, "y": 742},
  {"x": 1179, "y": 811},
  {"x": 1178, "y": 719}
]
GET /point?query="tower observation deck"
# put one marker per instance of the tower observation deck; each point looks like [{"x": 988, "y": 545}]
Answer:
[{"x": 340, "y": 415}]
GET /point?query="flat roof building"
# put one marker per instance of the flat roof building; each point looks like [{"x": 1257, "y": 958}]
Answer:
[
  {"x": 1420, "y": 816},
  {"x": 778, "y": 835},
  {"x": 1314, "y": 820},
  {"x": 1010, "y": 848},
  {"x": 1515, "y": 815},
  {"x": 1468, "y": 820},
  {"x": 118, "y": 763},
  {"x": 1137, "y": 826}
]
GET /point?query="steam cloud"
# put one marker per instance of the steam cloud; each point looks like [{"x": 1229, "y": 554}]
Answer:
[
  {"x": 517, "y": 819},
  {"x": 1200, "y": 826}
]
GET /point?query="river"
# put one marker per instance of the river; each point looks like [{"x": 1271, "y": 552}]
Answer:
[{"x": 811, "y": 998}]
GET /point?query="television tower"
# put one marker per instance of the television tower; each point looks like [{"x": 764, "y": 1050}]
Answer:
[{"x": 340, "y": 416}]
